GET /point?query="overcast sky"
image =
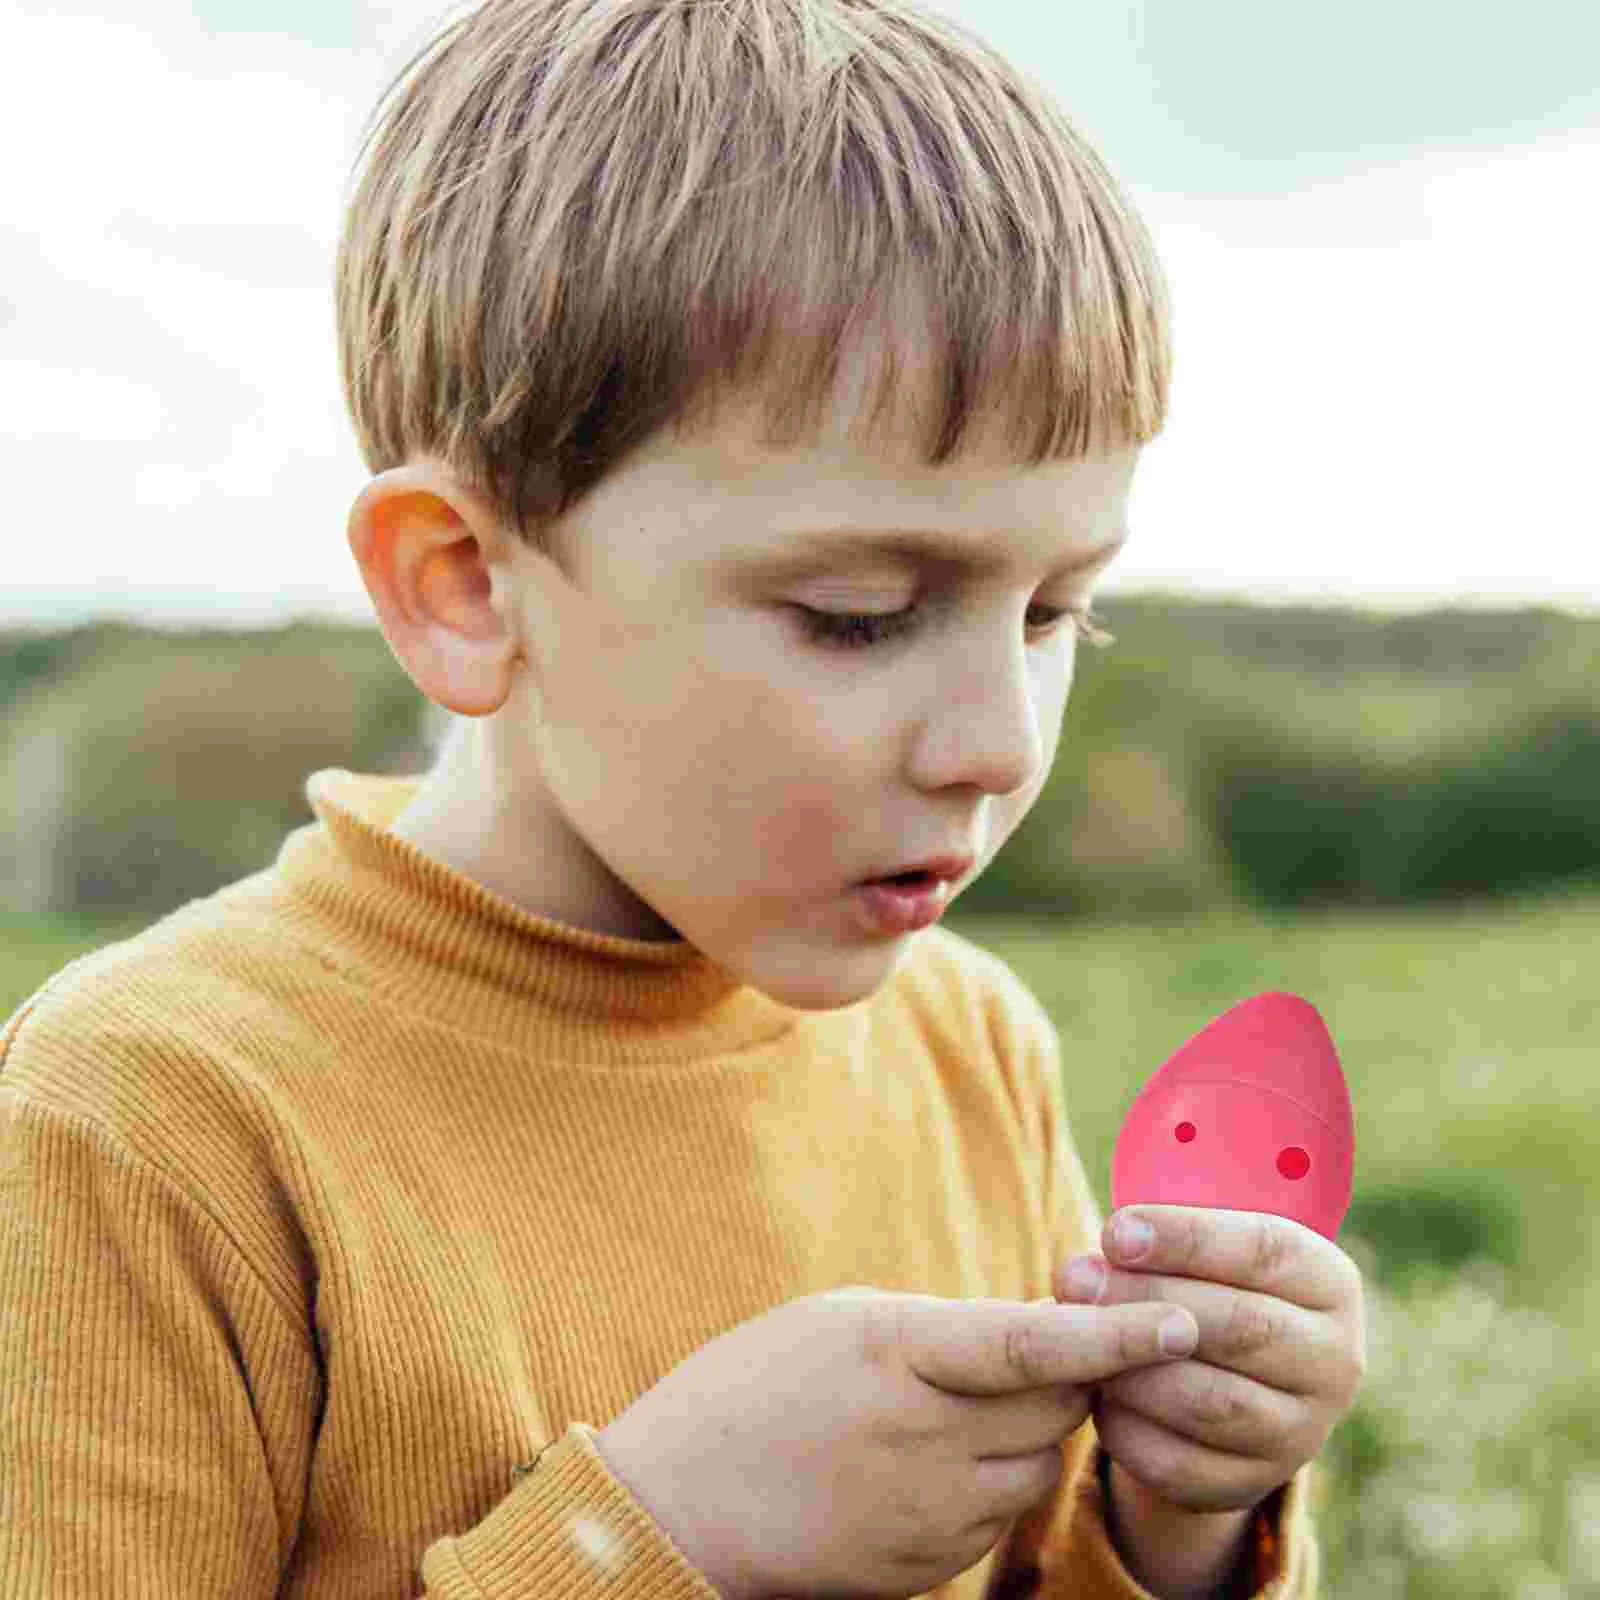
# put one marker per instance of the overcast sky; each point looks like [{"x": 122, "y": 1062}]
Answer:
[{"x": 1380, "y": 218}]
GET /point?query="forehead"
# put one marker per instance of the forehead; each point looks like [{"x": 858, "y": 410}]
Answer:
[
  {"x": 846, "y": 500},
  {"x": 978, "y": 554},
  {"x": 716, "y": 508},
  {"x": 725, "y": 485}
]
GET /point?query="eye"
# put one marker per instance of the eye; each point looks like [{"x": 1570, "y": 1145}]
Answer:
[
  {"x": 1185, "y": 1132},
  {"x": 1293, "y": 1162},
  {"x": 854, "y": 630}
]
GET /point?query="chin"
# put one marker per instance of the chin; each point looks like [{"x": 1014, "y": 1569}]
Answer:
[{"x": 816, "y": 983}]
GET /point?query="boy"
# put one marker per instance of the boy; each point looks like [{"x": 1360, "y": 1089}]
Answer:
[{"x": 582, "y": 1170}]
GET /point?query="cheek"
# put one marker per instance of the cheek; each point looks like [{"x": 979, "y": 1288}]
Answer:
[
  {"x": 750, "y": 771},
  {"x": 808, "y": 833},
  {"x": 785, "y": 784},
  {"x": 805, "y": 771}
]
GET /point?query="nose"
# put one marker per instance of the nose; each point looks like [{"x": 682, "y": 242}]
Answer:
[{"x": 983, "y": 724}]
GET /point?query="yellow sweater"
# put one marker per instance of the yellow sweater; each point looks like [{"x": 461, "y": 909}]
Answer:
[{"x": 332, "y": 1199}]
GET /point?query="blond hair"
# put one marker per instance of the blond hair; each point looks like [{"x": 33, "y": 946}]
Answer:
[{"x": 584, "y": 220}]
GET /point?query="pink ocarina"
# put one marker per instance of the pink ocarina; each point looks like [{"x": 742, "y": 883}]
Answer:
[{"x": 1252, "y": 1114}]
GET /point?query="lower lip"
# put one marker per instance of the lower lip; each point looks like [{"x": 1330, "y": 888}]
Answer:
[{"x": 897, "y": 908}]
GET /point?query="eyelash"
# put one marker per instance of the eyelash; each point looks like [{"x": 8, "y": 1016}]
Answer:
[{"x": 854, "y": 630}]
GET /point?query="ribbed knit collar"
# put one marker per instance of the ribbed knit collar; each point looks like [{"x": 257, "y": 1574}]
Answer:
[{"x": 443, "y": 945}]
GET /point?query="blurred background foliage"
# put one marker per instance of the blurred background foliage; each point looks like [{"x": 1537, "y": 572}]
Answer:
[
  {"x": 1217, "y": 754},
  {"x": 1397, "y": 817},
  {"x": 1469, "y": 1465},
  {"x": 140, "y": 768}
]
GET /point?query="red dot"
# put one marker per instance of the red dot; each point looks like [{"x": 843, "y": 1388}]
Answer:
[
  {"x": 1185, "y": 1132},
  {"x": 1293, "y": 1162}
]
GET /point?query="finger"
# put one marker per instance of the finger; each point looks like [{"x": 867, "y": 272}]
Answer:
[
  {"x": 1000, "y": 1346},
  {"x": 1272, "y": 1340},
  {"x": 1219, "y": 1409},
  {"x": 1178, "y": 1469},
  {"x": 1249, "y": 1249},
  {"x": 997, "y": 1426}
]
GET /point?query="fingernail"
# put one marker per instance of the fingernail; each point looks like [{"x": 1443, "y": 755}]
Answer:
[
  {"x": 1132, "y": 1237},
  {"x": 1086, "y": 1280},
  {"x": 1177, "y": 1336}
]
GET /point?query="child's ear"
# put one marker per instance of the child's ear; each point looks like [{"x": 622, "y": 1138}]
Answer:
[{"x": 427, "y": 549}]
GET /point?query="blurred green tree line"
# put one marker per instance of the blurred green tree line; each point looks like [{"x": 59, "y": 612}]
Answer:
[{"x": 1219, "y": 752}]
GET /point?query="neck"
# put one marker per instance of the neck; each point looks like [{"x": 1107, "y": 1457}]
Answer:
[{"x": 503, "y": 829}]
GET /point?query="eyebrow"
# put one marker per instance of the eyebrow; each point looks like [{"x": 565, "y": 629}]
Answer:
[{"x": 807, "y": 550}]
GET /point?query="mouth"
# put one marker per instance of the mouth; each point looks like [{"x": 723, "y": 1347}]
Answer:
[
  {"x": 904, "y": 902},
  {"x": 921, "y": 879},
  {"x": 928, "y": 874}
]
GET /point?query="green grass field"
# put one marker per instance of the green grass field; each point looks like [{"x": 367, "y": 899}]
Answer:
[
  {"x": 1469, "y": 1038},
  {"x": 1470, "y": 1467}
]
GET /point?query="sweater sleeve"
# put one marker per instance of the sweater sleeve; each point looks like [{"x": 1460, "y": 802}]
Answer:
[
  {"x": 1062, "y": 1548},
  {"x": 156, "y": 1405},
  {"x": 158, "y": 1409},
  {"x": 571, "y": 1529}
]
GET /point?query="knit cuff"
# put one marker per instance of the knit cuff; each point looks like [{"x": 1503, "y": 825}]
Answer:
[
  {"x": 567, "y": 1528},
  {"x": 1280, "y": 1556},
  {"x": 1071, "y": 1557}
]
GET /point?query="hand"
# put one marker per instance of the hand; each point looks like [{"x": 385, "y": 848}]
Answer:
[
  {"x": 861, "y": 1442},
  {"x": 1280, "y": 1359}
]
